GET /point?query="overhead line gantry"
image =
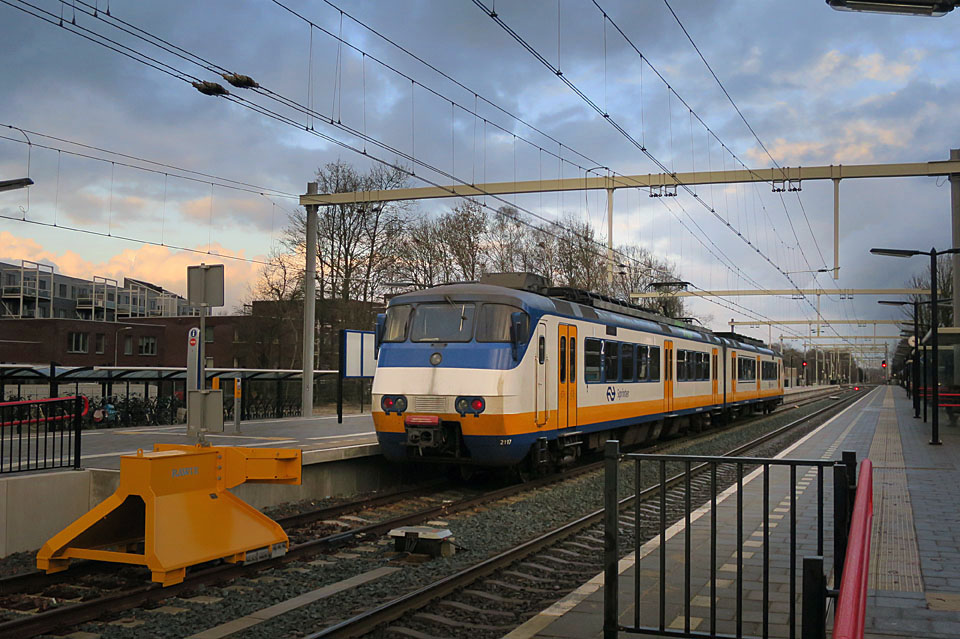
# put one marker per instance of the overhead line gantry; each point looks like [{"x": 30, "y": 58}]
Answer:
[{"x": 781, "y": 179}]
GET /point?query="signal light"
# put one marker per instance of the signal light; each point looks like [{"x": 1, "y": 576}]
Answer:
[
  {"x": 883, "y": 364},
  {"x": 393, "y": 404},
  {"x": 470, "y": 405},
  {"x": 804, "y": 363}
]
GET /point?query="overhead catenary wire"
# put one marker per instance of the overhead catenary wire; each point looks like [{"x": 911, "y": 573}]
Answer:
[
  {"x": 206, "y": 64},
  {"x": 765, "y": 150},
  {"x": 743, "y": 118},
  {"x": 226, "y": 183},
  {"x": 623, "y": 132},
  {"x": 590, "y": 102},
  {"x": 280, "y": 117},
  {"x": 137, "y": 240}
]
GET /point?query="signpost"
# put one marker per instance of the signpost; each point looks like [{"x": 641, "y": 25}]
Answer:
[
  {"x": 358, "y": 360},
  {"x": 237, "y": 406},
  {"x": 204, "y": 407},
  {"x": 193, "y": 359}
]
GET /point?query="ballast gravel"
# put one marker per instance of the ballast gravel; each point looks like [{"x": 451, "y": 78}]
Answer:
[{"x": 479, "y": 533}]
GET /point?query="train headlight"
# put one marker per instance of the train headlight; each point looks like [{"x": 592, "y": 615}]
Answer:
[
  {"x": 386, "y": 403},
  {"x": 400, "y": 404},
  {"x": 436, "y": 358},
  {"x": 470, "y": 405}
]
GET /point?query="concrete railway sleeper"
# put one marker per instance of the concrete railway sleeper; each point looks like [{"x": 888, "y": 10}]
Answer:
[
  {"x": 125, "y": 592},
  {"x": 527, "y": 578}
]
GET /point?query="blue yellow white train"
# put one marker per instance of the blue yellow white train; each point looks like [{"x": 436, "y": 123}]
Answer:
[{"x": 509, "y": 371}]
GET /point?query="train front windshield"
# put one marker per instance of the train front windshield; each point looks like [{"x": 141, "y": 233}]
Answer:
[{"x": 450, "y": 322}]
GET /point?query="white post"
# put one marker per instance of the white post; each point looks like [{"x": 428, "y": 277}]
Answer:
[
  {"x": 836, "y": 228},
  {"x": 309, "y": 306},
  {"x": 610, "y": 238}
]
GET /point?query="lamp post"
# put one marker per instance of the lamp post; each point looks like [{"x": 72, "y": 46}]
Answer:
[
  {"x": 915, "y": 369},
  {"x": 934, "y": 324}
]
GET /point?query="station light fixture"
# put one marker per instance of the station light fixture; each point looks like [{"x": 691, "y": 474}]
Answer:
[
  {"x": 895, "y": 252},
  {"x": 933, "y": 8},
  {"x": 19, "y": 183}
]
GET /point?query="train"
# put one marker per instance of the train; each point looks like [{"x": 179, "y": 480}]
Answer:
[{"x": 509, "y": 371}]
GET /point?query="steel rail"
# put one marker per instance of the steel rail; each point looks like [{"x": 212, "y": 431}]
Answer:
[
  {"x": 365, "y": 622},
  {"x": 71, "y": 615},
  {"x": 30, "y": 581}
]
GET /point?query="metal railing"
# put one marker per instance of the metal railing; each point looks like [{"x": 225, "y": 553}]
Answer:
[
  {"x": 41, "y": 434},
  {"x": 707, "y": 475},
  {"x": 851, "y": 607}
]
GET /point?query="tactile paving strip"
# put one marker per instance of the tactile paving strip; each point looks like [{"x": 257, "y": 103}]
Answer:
[{"x": 894, "y": 555}]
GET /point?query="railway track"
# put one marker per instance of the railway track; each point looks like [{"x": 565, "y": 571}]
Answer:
[
  {"x": 93, "y": 589},
  {"x": 498, "y": 594}
]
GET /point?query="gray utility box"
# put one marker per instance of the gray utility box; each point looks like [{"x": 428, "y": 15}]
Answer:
[{"x": 423, "y": 540}]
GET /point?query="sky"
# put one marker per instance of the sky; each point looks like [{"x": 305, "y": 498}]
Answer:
[{"x": 219, "y": 177}]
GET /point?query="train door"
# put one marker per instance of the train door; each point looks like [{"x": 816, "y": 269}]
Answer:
[
  {"x": 714, "y": 374},
  {"x": 668, "y": 375},
  {"x": 541, "y": 400},
  {"x": 567, "y": 376},
  {"x": 757, "y": 370},
  {"x": 733, "y": 376}
]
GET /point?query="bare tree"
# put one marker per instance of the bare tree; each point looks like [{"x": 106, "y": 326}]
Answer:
[
  {"x": 271, "y": 338},
  {"x": 944, "y": 290},
  {"x": 508, "y": 242},
  {"x": 461, "y": 233},
  {"x": 356, "y": 240}
]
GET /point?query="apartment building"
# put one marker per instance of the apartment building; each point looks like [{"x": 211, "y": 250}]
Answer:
[{"x": 30, "y": 290}]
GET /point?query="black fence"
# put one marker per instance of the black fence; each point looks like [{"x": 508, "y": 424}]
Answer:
[
  {"x": 695, "y": 483},
  {"x": 125, "y": 402},
  {"x": 41, "y": 434}
]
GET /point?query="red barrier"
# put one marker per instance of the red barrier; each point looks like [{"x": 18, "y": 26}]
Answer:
[
  {"x": 40, "y": 420},
  {"x": 852, "y": 602}
]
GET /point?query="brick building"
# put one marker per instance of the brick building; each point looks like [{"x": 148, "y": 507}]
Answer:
[{"x": 268, "y": 336}]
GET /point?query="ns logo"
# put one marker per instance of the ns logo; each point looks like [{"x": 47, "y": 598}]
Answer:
[{"x": 613, "y": 394}]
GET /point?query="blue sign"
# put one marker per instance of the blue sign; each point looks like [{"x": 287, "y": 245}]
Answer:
[{"x": 611, "y": 393}]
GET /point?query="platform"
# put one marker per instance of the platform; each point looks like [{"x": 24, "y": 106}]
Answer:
[
  {"x": 338, "y": 459},
  {"x": 320, "y": 438},
  {"x": 915, "y": 555}
]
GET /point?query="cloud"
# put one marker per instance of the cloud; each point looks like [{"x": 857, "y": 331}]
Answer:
[
  {"x": 156, "y": 264},
  {"x": 837, "y": 69}
]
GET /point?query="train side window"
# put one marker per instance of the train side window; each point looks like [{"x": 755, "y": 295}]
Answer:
[
  {"x": 563, "y": 359},
  {"x": 398, "y": 319},
  {"x": 611, "y": 361},
  {"x": 703, "y": 366},
  {"x": 643, "y": 364},
  {"x": 592, "y": 359},
  {"x": 542, "y": 349},
  {"x": 627, "y": 359},
  {"x": 681, "y": 365},
  {"x": 654, "y": 364},
  {"x": 573, "y": 359}
]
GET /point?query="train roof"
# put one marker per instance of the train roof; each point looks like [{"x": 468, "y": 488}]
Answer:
[{"x": 576, "y": 303}]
